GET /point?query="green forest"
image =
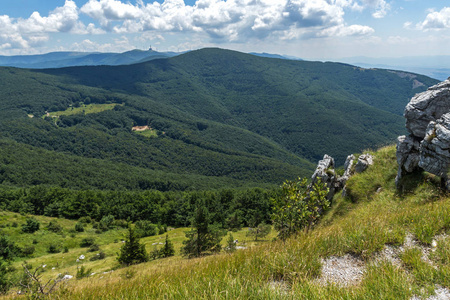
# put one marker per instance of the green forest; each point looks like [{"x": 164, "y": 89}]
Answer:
[{"x": 219, "y": 119}]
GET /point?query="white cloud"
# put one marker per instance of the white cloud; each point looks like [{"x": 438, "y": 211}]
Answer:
[
  {"x": 62, "y": 19},
  {"x": 25, "y": 33},
  {"x": 436, "y": 20},
  {"x": 231, "y": 20},
  {"x": 381, "y": 7},
  {"x": 340, "y": 31}
]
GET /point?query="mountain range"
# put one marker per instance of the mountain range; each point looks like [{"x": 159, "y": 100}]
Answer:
[
  {"x": 210, "y": 118},
  {"x": 68, "y": 59}
]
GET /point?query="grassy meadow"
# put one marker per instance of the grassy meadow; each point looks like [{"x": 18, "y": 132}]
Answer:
[
  {"x": 374, "y": 216},
  {"x": 82, "y": 109}
]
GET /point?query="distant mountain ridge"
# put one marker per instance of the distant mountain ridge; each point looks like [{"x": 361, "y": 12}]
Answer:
[
  {"x": 71, "y": 59},
  {"x": 433, "y": 66}
]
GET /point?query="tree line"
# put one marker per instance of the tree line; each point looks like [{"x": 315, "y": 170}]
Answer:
[{"x": 230, "y": 208}]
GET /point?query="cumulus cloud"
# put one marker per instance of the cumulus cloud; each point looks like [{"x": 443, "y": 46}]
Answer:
[
  {"x": 221, "y": 20},
  {"x": 380, "y": 7},
  {"x": 231, "y": 20},
  {"x": 436, "y": 20},
  {"x": 19, "y": 33}
]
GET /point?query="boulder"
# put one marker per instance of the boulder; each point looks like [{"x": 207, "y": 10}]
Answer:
[
  {"x": 408, "y": 155},
  {"x": 435, "y": 147},
  {"x": 428, "y": 145},
  {"x": 364, "y": 161},
  {"x": 426, "y": 107}
]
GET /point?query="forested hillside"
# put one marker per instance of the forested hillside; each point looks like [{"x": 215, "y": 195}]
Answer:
[{"x": 210, "y": 118}]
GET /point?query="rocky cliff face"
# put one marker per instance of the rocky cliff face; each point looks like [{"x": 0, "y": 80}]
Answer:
[{"x": 428, "y": 144}]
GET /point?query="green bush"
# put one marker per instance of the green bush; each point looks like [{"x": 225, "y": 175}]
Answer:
[
  {"x": 93, "y": 248},
  {"x": 32, "y": 225},
  {"x": 82, "y": 272},
  {"x": 79, "y": 227},
  {"x": 146, "y": 228},
  {"x": 52, "y": 248},
  {"x": 87, "y": 242},
  {"x": 54, "y": 227},
  {"x": 28, "y": 250},
  {"x": 98, "y": 256}
]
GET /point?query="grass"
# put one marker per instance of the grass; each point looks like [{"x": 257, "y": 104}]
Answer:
[
  {"x": 83, "y": 109},
  {"x": 148, "y": 133},
  {"x": 109, "y": 242},
  {"x": 361, "y": 225}
]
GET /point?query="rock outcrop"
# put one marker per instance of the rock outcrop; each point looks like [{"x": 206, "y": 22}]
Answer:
[
  {"x": 364, "y": 161},
  {"x": 326, "y": 173},
  {"x": 428, "y": 144}
]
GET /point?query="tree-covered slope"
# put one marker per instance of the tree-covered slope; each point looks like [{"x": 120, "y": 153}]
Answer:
[
  {"x": 307, "y": 107},
  {"x": 212, "y": 112}
]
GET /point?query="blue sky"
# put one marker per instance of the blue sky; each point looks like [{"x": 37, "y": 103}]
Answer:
[{"x": 311, "y": 29}]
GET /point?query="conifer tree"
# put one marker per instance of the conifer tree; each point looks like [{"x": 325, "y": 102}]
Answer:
[
  {"x": 168, "y": 249},
  {"x": 132, "y": 252},
  {"x": 203, "y": 237}
]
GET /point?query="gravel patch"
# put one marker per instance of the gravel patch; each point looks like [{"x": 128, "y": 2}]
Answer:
[
  {"x": 344, "y": 271},
  {"x": 441, "y": 293}
]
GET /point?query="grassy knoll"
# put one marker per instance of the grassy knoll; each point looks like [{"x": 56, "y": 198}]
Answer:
[{"x": 375, "y": 216}]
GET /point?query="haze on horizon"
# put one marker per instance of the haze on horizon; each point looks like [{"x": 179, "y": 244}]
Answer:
[{"x": 309, "y": 29}]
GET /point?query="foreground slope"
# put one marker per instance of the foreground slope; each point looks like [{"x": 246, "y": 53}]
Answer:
[{"x": 384, "y": 232}]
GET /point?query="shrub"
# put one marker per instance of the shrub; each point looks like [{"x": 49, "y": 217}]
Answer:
[
  {"x": 8, "y": 249},
  {"x": 98, "y": 256},
  {"x": 93, "y": 248},
  {"x": 146, "y": 228},
  {"x": 298, "y": 207},
  {"x": 79, "y": 227},
  {"x": 87, "y": 242},
  {"x": 52, "y": 248},
  {"x": 107, "y": 222},
  {"x": 85, "y": 220},
  {"x": 54, "y": 227},
  {"x": 28, "y": 250},
  {"x": 32, "y": 225},
  {"x": 120, "y": 223},
  {"x": 82, "y": 272}
]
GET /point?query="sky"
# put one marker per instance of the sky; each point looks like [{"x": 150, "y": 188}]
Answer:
[{"x": 309, "y": 29}]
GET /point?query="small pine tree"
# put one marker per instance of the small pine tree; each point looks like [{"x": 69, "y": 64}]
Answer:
[
  {"x": 168, "y": 249},
  {"x": 231, "y": 245},
  {"x": 203, "y": 237},
  {"x": 259, "y": 231},
  {"x": 132, "y": 252}
]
